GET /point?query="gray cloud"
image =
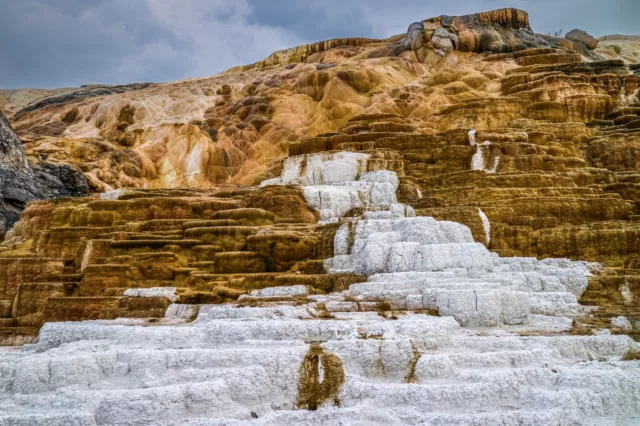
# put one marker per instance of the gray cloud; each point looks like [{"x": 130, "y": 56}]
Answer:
[
  {"x": 312, "y": 20},
  {"x": 57, "y": 43}
]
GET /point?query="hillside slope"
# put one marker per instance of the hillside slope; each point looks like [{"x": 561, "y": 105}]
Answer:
[{"x": 236, "y": 126}]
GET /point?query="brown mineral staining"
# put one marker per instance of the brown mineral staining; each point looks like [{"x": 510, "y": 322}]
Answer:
[
  {"x": 285, "y": 201},
  {"x": 632, "y": 356},
  {"x": 508, "y": 17},
  {"x": 556, "y": 167},
  {"x": 238, "y": 125},
  {"x": 73, "y": 259},
  {"x": 71, "y": 116},
  {"x": 321, "y": 377},
  {"x": 383, "y": 306},
  {"x": 322, "y": 312},
  {"x": 126, "y": 115},
  {"x": 410, "y": 377}
]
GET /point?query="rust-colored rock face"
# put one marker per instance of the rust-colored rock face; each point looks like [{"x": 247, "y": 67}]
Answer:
[
  {"x": 509, "y": 18},
  {"x": 75, "y": 259},
  {"x": 531, "y": 141}
]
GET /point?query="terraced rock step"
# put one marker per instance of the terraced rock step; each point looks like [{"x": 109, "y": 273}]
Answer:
[
  {"x": 255, "y": 364},
  {"x": 438, "y": 228},
  {"x": 201, "y": 248},
  {"x": 532, "y": 180},
  {"x": 424, "y": 318}
]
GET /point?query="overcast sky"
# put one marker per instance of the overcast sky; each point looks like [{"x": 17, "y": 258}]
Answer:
[{"x": 60, "y": 43}]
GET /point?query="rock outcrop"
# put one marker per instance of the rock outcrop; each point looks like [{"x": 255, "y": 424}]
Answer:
[
  {"x": 13, "y": 100},
  {"x": 440, "y": 227},
  {"x": 582, "y": 37},
  {"x": 21, "y": 182},
  {"x": 11, "y": 152},
  {"x": 414, "y": 38},
  {"x": 81, "y": 93}
]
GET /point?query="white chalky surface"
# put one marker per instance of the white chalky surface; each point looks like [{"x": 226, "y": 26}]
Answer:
[
  {"x": 289, "y": 291},
  {"x": 166, "y": 292},
  {"x": 486, "y": 225},
  {"x": 337, "y": 183},
  {"x": 478, "y": 161},
  {"x": 622, "y": 322},
  {"x": 238, "y": 365},
  {"x": 113, "y": 195},
  {"x": 322, "y": 169}
]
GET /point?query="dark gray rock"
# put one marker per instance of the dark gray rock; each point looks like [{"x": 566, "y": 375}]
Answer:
[
  {"x": 612, "y": 66},
  {"x": 11, "y": 152},
  {"x": 413, "y": 40},
  {"x": 21, "y": 182},
  {"x": 328, "y": 65},
  {"x": 82, "y": 93},
  {"x": 444, "y": 40},
  {"x": 447, "y": 20}
]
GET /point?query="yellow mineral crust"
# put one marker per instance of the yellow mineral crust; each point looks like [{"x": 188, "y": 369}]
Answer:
[{"x": 531, "y": 141}]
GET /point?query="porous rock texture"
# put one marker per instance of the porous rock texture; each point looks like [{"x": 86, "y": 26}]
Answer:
[{"x": 438, "y": 228}]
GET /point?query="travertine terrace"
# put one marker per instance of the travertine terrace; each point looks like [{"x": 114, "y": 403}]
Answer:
[{"x": 437, "y": 228}]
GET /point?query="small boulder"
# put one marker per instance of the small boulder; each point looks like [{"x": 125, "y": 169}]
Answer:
[
  {"x": 444, "y": 40},
  {"x": 583, "y": 37},
  {"x": 413, "y": 40},
  {"x": 622, "y": 322}
]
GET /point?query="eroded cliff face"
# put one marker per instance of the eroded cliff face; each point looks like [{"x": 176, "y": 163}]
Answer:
[
  {"x": 21, "y": 182},
  {"x": 439, "y": 227},
  {"x": 11, "y": 152}
]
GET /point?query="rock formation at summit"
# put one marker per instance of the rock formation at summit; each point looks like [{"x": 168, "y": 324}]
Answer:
[
  {"x": 582, "y": 37},
  {"x": 439, "y": 227}
]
